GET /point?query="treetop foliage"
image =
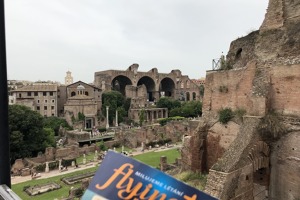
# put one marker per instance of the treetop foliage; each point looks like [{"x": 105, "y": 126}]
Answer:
[{"x": 27, "y": 134}]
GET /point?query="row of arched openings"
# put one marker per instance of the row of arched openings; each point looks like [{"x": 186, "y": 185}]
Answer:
[{"x": 166, "y": 87}]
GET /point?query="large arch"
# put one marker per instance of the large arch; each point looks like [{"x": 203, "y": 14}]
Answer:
[
  {"x": 167, "y": 86},
  {"x": 119, "y": 83},
  {"x": 150, "y": 85}
]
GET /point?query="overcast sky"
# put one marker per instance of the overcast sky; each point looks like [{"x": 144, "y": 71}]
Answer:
[{"x": 46, "y": 38}]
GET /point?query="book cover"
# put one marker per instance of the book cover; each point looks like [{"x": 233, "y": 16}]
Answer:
[{"x": 121, "y": 177}]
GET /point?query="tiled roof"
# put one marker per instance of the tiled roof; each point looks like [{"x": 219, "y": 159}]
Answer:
[{"x": 37, "y": 88}]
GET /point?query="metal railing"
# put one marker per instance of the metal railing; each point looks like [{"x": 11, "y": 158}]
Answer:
[{"x": 216, "y": 64}]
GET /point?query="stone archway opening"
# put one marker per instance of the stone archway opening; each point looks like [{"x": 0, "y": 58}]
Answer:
[
  {"x": 150, "y": 85},
  {"x": 194, "y": 96},
  {"x": 188, "y": 96},
  {"x": 119, "y": 83},
  {"x": 167, "y": 87},
  {"x": 259, "y": 155}
]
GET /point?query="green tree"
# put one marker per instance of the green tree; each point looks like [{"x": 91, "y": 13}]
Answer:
[
  {"x": 16, "y": 145},
  {"x": 55, "y": 123},
  {"x": 175, "y": 112},
  {"x": 116, "y": 101},
  {"x": 49, "y": 140},
  {"x": 167, "y": 102},
  {"x": 26, "y": 132},
  {"x": 188, "y": 109}
]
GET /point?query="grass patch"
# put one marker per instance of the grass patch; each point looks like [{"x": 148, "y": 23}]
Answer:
[
  {"x": 63, "y": 192},
  {"x": 153, "y": 158},
  {"x": 195, "y": 180}
]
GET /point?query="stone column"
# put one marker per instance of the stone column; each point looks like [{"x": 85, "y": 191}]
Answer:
[
  {"x": 47, "y": 167},
  {"x": 59, "y": 165},
  {"x": 96, "y": 156},
  {"x": 143, "y": 146},
  {"x": 84, "y": 159},
  {"x": 107, "y": 120},
  {"x": 116, "y": 118},
  {"x": 166, "y": 113}
]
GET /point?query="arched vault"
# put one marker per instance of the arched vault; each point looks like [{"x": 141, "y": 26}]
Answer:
[
  {"x": 119, "y": 83},
  {"x": 150, "y": 85}
]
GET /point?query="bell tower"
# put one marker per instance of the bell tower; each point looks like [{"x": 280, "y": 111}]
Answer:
[{"x": 68, "y": 78}]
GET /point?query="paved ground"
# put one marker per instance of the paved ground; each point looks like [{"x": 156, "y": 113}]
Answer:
[{"x": 44, "y": 175}]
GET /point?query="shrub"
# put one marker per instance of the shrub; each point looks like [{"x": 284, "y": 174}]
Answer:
[
  {"x": 163, "y": 121},
  {"x": 79, "y": 192},
  {"x": 81, "y": 116},
  {"x": 271, "y": 127},
  {"x": 225, "y": 115},
  {"x": 53, "y": 165},
  {"x": 223, "y": 88},
  {"x": 40, "y": 168},
  {"x": 102, "y": 146},
  {"x": 68, "y": 162}
]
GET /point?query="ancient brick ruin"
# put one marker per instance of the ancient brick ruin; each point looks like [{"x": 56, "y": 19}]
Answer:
[{"x": 243, "y": 158}]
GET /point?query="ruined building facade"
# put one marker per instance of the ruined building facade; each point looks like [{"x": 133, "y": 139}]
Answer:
[
  {"x": 173, "y": 84},
  {"x": 256, "y": 156},
  {"x": 145, "y": 88}
]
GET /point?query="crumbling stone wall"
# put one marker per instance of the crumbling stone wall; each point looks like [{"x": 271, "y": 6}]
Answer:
[
  {"x": 285, "y": 162},
  {"x": 193, "y": 152},
  {"x": 219, "y": 137},
  {"x": 231, "y": 177},
  {"x": 274, "y": 16},
  {"x": 242, "y": 50},
  {"x": 67, "y": 152},
  {"x": 172, "y": 130}
]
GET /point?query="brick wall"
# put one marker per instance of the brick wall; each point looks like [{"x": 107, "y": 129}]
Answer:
[
  {"x": 233, "y": 89},
  {"x": 285, "y": 93}
]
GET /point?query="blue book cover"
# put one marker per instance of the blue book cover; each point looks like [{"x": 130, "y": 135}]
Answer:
[{"x": 120, "y": 177}]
